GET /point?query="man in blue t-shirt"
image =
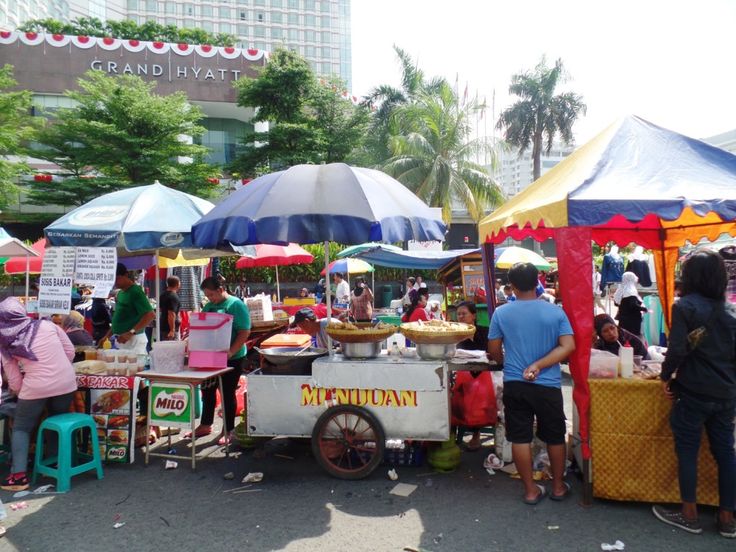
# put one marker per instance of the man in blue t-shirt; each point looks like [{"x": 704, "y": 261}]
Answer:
[{"x": 530, "y": 337}]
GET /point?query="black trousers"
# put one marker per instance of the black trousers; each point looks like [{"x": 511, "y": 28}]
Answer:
[{"x": 229, "y": 386}]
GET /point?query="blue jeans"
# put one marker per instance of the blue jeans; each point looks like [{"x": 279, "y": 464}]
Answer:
[{"x": 689, "y": 415}]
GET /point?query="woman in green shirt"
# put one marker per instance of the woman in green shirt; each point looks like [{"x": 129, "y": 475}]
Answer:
[{"x": 222, "y": 302}]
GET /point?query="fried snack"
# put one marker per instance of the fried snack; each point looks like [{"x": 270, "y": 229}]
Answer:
[
  {"x": 117, "y": 421},
  {"x": 347, "y": 332},
  {"x": 117, "y": 436},
  {"x": 100, "y": 421},
  {"x": 112, "y": 400},
  {"x": 440, "y": 332}
]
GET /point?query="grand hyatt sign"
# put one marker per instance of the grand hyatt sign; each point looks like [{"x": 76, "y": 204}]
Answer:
[{"x": 53, "y": 63}]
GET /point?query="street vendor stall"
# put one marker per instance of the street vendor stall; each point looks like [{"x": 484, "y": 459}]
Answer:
[{"x": 634, "y": 182}]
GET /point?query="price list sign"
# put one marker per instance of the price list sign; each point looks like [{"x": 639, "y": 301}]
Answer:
[
  {"x": 95, "y": 266},
  {"x": 55, "y": 283}
]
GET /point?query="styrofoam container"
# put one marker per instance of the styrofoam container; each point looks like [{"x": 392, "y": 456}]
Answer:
[
  {"x": 210, "y": 331},
  {"x": 168, "y": 356}
]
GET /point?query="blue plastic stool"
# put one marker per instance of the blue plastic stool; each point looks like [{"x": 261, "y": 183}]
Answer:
[{"x": 68, "y": 456}]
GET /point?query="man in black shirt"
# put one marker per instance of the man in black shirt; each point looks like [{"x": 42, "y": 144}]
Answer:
[{"x": 169, "y": 306}]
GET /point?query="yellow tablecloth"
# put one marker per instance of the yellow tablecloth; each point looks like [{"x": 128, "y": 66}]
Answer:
[{"x": 633, "y": 455}]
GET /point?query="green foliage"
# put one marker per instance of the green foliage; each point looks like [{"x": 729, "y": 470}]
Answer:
[
  {"x": 127, "y": 29},
  {"x": 540, "y": 114},
  {"x": 310, "y": 121},
  {"x": 17, "y": 126},
  {"x": 433, "y": 155},
  {"x": 122, "y": 134}
]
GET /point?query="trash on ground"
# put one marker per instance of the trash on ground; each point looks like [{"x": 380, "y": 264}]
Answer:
[
  {"x": 171, "y": 465},
  {"x": 403, "y": 489},
  {"x": 286, "y": 456},
  {"x": 253, "y": 477},
  {"x": 21, "y": 494},
  {"x": 490, "y": 471},
  {"x": 19, "y": 506},
  {"x": 410, "y": 549},
  {"x": 229, "y": 476},
  {"x": 165, "y": 521},
  {"x": 618, "y": 545},
  {"x": 553, "y": 527},
  {"x": 392, "y": 475},
  {"x": 118, "y": 525},
  {"x": 237, "y": 489},
  {"x": 44, "y": 489},
  {"x": 438, "y": 538},
  {"x": 492, "y": 461},
  {"x": 3, "y": 513},
  {"x": 510, "y": 469},
  {"x": 249, "y": 491}
]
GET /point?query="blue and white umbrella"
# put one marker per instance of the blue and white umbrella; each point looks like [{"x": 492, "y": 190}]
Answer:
[
  {"x": 144, "y": 218},
  {"x": 317, "y": 203}
]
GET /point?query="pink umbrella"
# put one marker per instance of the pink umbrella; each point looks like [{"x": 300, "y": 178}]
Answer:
[{"x": 276, "y": 255}]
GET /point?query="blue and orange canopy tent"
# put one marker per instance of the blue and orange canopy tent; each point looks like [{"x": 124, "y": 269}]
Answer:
[{"x": 634, "y": 182}]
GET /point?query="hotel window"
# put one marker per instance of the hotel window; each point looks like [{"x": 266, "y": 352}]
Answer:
[
  {"x": 260, "y": 2},
  {"x": 293, "y": 19},
  {"x": 277, "y": 17},
  {"x": 242, "y": 30},
  {"x": 151, "y": 5},
  {"x": 188, "y": 10},
  {"x": 277, "y": 3},
  {"x": 207, "y": 26},
  {"x": 326, "y": 69},
  {"x": 310, "y": 51},
  {"x": 170, "y": 7},
  {"x": 325, "y": 21},
  {"x": 326, "y": 52},
  {"x": 310, "y": 36},
  {"x": 294, "y": 34},
  {"x": 325, "y": 6},
  {"x": 326, "y": 37},
  {"x": 242, "y": 15},
  {"x": 293, "y": 4},
  {"x": 259, "y": 32},
  {"x": 261, "y": 46},
  {"x": 277, "y": 33},
  {"x": 309, "y": 5},
  {"x": 226, "y": 28},
  {"x": 310, "y": 20},
  {"x": 171, "y": 21},
  {"x": 133, "y": 5},
  {"x": 226, "y": 13},
  {"x": 206, "y": 11},
  {"x": 189, "y": 23},
  {"x": 260, "y": 17}
]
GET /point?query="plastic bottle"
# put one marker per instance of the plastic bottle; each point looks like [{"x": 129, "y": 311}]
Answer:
[
  {"x": 106, "y": 344},
  {"x": 114, "y": 342},
  {"x": 626, "y": 361}
]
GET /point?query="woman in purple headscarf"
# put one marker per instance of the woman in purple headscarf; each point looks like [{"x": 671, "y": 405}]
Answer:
[{"x": 37, "y": 358}]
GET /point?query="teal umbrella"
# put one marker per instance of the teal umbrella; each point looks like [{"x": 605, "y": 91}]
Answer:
[{"x": 356, "y": 249}]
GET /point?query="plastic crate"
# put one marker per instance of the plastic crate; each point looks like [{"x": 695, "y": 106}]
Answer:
[{"x": 412, "y": 454}]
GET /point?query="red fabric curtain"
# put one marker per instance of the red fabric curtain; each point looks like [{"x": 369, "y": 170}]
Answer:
[{"x": 575, "y": 263}]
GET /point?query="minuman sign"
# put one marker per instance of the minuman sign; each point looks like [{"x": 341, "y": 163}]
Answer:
[{"x": 52, "y": 64}]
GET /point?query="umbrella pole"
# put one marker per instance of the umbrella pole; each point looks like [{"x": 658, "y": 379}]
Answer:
[
  {"x": 373, "y": 286},
  {"x": 327, "y": 291},
  {"x": 278, "y": 286},
  {"x": 28, "y": 270},
  {"x": 157, "y": 286}
]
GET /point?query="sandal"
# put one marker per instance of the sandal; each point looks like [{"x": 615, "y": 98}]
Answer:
[
  {"x": 225, "y": 439},
  {"x": 199, "y": 432},
  {"x": 563, "y": 496},
  {"x": 538, "y": 499}
]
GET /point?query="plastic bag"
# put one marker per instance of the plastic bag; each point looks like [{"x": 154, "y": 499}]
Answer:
[{"x": 473, "y": 400}]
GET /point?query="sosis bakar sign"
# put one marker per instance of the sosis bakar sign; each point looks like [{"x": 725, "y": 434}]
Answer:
[{"x": 316, "y": 396}]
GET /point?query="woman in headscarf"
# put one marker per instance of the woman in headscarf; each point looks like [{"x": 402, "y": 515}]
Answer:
[
  {"x": 73, "y": 325},
  {"x": 611, "y": 337},
  {"x": 37, "y": 358},
  {"x": 630, "y": 305},
  {"x": 416, "y": 309},
  {"x": 361, "y": 301}
]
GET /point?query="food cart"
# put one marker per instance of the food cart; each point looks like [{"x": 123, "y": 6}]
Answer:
[
  {"x": 462, "y": 278},
  {"x": 350, "y": 403}
]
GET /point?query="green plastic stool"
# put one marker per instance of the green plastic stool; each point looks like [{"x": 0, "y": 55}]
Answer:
[{"x": 65, "y": 425}]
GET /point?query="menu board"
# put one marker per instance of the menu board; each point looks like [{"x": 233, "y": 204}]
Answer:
[
  {"x": 55, "y": 283},
  {"x": 472, "y": 278},
  {"x": 95, "y": 266}
]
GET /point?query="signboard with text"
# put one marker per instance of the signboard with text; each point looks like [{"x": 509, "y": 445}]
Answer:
[
  {"x": 171, "y": 405},
  {"x": 55, "y": 283}
]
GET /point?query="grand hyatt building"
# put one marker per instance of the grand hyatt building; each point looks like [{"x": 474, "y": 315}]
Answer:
[{"x": 48, "y": 65}]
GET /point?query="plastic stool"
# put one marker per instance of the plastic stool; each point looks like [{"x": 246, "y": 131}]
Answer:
[{"x": 65, "y": 425}]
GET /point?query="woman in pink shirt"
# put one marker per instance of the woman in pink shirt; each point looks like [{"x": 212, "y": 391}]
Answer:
[{"x": 37, "y": 358}]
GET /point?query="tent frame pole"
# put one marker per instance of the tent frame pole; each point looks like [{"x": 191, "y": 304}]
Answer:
[
  {"x": 28, "y": 277},
  {"x": 157, "y": 287},
  {"x": 278, "y": 286},
  {"x": 328, "y": 291}
]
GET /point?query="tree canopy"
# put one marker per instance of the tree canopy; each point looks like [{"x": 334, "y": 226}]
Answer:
[
  {"x": 540, "y": 114},
  {"x": 310, "y": 120},
  {"x": 121, "y": 133},
  {"x": 127, "y": 29},
  {"x": 17, "y": 126}
]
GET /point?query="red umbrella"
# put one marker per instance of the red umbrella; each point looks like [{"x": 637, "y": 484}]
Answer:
[
  {"x": 17, "y": 265},
  {"x": 276, "y": 255}
]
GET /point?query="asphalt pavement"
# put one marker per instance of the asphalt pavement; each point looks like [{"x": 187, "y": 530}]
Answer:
[{"x": 298, "y": 507}]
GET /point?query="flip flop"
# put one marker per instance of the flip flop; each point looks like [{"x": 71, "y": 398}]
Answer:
[
  {"x": 563, "y": 496},
  {"x": 538, "y": 499}
]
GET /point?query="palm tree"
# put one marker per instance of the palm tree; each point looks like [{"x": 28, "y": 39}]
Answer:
[
  {"x": 539, "y": 114},
  {"x": 433, "y": 156},
  {"x": 383, "y": 100}
]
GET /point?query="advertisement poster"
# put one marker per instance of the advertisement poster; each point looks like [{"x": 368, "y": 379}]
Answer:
[
  {"x": 113, "y": 413},
  {"x": 95, "y": 266},
  {"x": 55, "y": 283},
  {"x": 171, "y": 405}
]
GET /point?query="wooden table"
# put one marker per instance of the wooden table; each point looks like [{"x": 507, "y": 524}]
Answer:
[
  {"x": 191, "y": 379},
  {"x": 633, "y": 451}
]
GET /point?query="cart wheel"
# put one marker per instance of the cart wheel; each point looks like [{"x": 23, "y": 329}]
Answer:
[{"x": 348, "y": 442}]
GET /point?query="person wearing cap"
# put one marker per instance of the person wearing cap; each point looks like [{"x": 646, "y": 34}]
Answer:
[
  {"x": 307, "y": 321},
  {"x": 133, "y": 312}
]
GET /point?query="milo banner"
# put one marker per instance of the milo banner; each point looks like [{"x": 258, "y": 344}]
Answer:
[{"x": 171, "y": 405}]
